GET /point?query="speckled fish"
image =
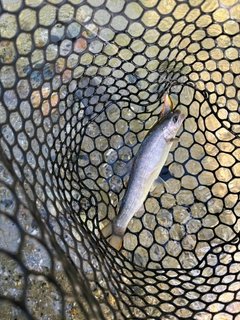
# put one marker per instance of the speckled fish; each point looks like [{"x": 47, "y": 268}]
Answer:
[{"x": 147, "y": 166}]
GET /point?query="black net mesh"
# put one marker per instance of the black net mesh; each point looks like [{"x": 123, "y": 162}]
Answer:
[{"x": 81, "y": 84}]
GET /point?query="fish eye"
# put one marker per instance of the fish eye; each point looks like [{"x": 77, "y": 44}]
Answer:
[{"x": 175, "y": 119}]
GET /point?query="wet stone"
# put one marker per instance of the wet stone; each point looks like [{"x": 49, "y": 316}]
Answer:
[
  {"x": 181, "y": 155},
  {"x": 202, "y": 249},
  {"x": 130, "y": 241},
  {"x": 157, "y": 252},
  {"x": 180, "y": 302},
  {"x": 149, "y": 221},
  {"x": 135, "y": 225},
  {"x": 186, "y": 139},
  {"x": 189, "y": 182},
  {"x": 176, "y": 170},
  {"x": 152, "y": 205},
  {"x": 177, "y": 231},
  {"x": 198, "y": 210},
  {"x": 121, "y": 126},
  {"x": 7, "y": 76},
  {"x": 223, "y": 174},
  {"x": 230, "y": 200},
  {"x": 107, "y": 128},
  {"x": 115, "y": 184},
  {"x": 185, "y": 197},
  {"x": 202, "y": 194},
  {"x": 188, "y": 260},
  {"x": 47, "y": 15},
  {"x": 215, "y": 205},
  {"x": 10, "y": 234},
  {"x": 224, "y": 232},
  {"x": 95, "y": 157},
  {"x": 136, "y": 125},
  {"x": 236, "y": 169},
  {"x": 173, "y": 248},
  {"x": 234, "y": 185},
  {"x": 27, "y": 19},
  {"x": 101, "y": 143},
  {"x": 92, "y": 130},
  {"x": 226, "y": 160},
  {"x": 116, "y": 141},
  {"x": 181, "y": 214},
  {"x": 164, "y": 218},
  {"x": 227, "y": 217},
  {"x": 161, "y": 235},
  {"x": 210, "y": 221},
  {"x": 210, "y": 163},
  {"x": 105, "y": 170},
  {"x": 206, "y": 178},
  {"x": 169, "y": 262},
  {"x": 141, "y": 257},
  {"x": 8, "y": 25},
  {"x": 205, "y": 234},
  {"x": 110, "y": 156},
  {"x": 167, "y": 201},
  {"x": 173, "y": 186},
  {"x": 189, "y": 242},
  {"x": 120, "y": 168},
  {"x": 91, "y": 172},
  {"x": 7, "y": 201},
  {"x": 193, "y": 167},
  {"x": 125, "y": 153},
  {"x": 219, "y": 190},
  {"x": 146, "y": 238}
]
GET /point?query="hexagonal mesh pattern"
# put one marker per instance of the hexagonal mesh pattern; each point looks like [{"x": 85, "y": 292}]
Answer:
[{"x": 81, "y": 84}]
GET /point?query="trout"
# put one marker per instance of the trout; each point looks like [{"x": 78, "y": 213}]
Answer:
[{"x": 144, "y": 177}]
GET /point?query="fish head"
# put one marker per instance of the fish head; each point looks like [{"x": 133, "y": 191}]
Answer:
[{"x": 171, "y": 124}]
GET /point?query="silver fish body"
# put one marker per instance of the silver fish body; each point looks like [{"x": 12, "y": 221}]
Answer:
[{"x": 147, "y": 166}]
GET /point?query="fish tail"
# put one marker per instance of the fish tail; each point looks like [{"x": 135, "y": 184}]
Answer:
[
  {"x": 167, "y": 105},
  {"x": 114, "y": 235},
  {"x": 168, "y": 102}
]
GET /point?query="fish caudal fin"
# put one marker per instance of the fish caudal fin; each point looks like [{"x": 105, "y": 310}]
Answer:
[
  {"x": 113, "y": 235},
  {"x": 107, "y": 230}
]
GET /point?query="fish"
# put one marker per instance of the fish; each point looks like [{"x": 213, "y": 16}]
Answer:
[{"x": 144, "y": 176}]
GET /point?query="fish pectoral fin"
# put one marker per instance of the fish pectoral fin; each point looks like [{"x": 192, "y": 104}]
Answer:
[
  {"x": 107, "y": 230},
  {"x": 159, "y": 181},
  {"x": 173, "y": 140}
]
